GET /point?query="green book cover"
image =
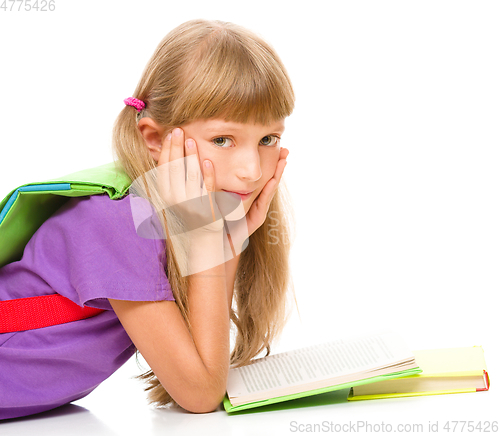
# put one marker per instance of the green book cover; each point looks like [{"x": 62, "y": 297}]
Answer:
[
  {"x": 318, "y": 369},
  {"x": 230, "y": 408}
]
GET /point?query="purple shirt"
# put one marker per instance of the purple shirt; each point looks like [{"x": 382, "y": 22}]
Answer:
[{"x": 88, "y": 251}]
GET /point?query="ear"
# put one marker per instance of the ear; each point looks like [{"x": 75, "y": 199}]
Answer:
[{"x": 152, "y": 133}]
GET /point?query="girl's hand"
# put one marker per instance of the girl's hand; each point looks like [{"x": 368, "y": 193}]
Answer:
[
  {"x": 258, "y": 211},
  {"x": 179, "y": 181}
]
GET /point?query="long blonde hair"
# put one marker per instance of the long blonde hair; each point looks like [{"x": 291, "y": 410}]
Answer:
[{"x": 213, "y": 69}]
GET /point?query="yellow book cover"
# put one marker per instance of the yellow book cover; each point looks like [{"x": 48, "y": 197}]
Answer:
[{"x": 444, "y": 371}]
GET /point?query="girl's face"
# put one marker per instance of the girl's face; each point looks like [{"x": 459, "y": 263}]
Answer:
[{"x": 244, "y": 156}]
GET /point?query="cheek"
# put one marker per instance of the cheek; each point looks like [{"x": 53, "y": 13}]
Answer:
[
  {"x": 218, "y": 162},
  {"x": 202, "y": 154},
  {"x": 202, "y": 157},
  {"x": 269, "y": 166}
]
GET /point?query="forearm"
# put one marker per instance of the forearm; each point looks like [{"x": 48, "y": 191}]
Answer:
[
  {"x": 192, "y": 364},
  {"x": 232, "y": 250},
  {"x": 209, "y": 312},
  {"x": 231, "y": 266},
  {"x": 233, "y": 244}
]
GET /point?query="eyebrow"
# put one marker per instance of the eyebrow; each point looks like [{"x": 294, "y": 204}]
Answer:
[{"x": 276, "y": 127}]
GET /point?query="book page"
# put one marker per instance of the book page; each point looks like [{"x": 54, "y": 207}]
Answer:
[
  {"x": 318, "y": 362},
  {"x": 451, "y": 360}
]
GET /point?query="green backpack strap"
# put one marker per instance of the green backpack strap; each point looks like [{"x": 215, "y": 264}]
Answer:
[{"x": 24, "y": 209}]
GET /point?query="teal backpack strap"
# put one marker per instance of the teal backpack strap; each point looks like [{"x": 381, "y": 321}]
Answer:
[{"x": 24, "y": 209}]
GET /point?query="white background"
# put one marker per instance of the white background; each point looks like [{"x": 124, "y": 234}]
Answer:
[{"x": 393, "y": 171}]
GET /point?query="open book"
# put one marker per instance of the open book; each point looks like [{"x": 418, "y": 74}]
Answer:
[
  {"x": 318, "y": 369},
  {"x": 444, "y": 371}
]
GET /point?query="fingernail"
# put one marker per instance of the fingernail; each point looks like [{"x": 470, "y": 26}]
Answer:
[
  {"x": 169, "y": 137},
  {"x": 177, "y": 131},
  {"x": 207, "y": 163},
  {"x": 190, "y": 143}
]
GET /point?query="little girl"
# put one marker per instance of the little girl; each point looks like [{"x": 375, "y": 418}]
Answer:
[{"x": 213, "y": 96}]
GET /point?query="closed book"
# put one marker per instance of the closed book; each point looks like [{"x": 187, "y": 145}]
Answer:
[{"x": 444, "y": 371}]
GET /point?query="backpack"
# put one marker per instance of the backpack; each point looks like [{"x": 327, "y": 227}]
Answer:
[{"x": 22, "y": 212}]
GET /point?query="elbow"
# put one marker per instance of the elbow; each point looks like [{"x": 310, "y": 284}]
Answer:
[
  {"x": 202, "y": 396},
  {"x": 204, "y": 408},
  {"x": 198, "y": 391},
  {"x": 203, "y": 402}
]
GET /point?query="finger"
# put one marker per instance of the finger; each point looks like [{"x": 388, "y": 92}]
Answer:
[
  {"x": 209, "y": 186},
  {"x": 208, "y": 177},
  {"x": 280, "y": 166},
  {"x": 284, "y": 153},
  {"x": 193, "y": 171},
  {"x": 163, "y": 168},
  {"x": 279, "y": 172},
  {"x": 176, "y": 166},
  {"x": 271, "y": 187},
  {"x": 165, "y": 150}
]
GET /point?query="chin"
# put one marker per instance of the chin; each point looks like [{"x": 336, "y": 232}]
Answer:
[{"x": 238, "y": 214}]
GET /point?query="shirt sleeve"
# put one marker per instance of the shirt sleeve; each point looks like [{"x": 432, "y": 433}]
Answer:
[{"x": 92, "y": 252}]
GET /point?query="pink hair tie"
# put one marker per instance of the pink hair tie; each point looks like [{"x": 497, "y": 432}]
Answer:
[{"x": 135, "y": 102}]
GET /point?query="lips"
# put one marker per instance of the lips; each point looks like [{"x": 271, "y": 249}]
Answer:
[
  {"x": 239, "y": 192},
  {"x": 242, "y": 196}
]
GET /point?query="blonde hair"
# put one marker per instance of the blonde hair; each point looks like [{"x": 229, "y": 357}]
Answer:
[{"x": 214, "y": 69}]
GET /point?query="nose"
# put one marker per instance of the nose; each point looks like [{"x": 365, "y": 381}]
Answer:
[{"x": 248, "y": 166}]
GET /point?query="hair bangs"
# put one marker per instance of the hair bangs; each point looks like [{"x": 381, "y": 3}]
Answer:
[{"x": 236, "y": 83}]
